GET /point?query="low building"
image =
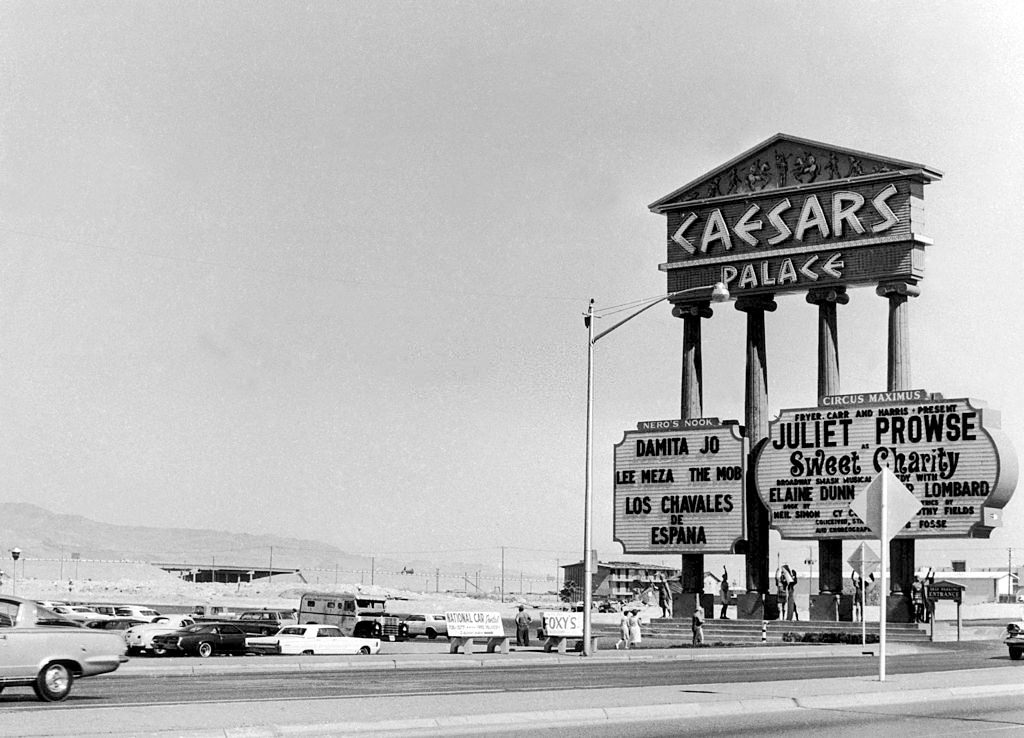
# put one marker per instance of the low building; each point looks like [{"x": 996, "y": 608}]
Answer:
[{"x": 619, "y": 580}]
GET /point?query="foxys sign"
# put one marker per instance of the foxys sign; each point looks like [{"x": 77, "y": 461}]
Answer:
[{"x": 950, "y": 454}]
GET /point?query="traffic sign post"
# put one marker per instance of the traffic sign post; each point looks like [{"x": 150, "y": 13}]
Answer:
[
  {"x": 882, "y": 515},
  {"x": 864, "y": 561}
]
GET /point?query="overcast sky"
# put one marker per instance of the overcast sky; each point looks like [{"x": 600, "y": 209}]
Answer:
[{"x": 318, "y": 268}]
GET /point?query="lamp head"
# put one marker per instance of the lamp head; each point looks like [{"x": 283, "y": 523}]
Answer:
[{"x": 15, "y": 553}]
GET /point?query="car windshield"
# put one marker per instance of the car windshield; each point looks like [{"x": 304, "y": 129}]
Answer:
[{"x": 197, "y": 628}]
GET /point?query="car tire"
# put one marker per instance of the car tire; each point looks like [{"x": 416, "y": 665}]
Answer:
[
  {"x": 1016, "y": 653},
  {"x": 431, "y": 633},
  {"x": 205, "y": 650},
  {"x": 158, "y": 652},
  {"x": 53, "y": 682},
  {"x": 364, "y": 651}
]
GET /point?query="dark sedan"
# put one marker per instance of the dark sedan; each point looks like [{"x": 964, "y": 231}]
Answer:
[{"x": 204, "y": 639}]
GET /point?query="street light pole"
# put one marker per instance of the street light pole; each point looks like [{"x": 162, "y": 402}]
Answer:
[
  {"x": 714, "y": 293},
  {"x": 15, "y": 554}
]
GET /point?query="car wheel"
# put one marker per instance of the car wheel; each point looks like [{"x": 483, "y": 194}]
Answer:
[
  {"x": 159, "y": 651},
  {"x": 205, "y": 650},
  {"x": 1016, "y": 653},
  {"x": 53, "y": 682},
  {"x": 431, "y": 633},
  {"x": 364, "y": 651}
]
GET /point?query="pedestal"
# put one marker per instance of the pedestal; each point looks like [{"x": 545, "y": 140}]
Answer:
[{"x": 749, "y": 606}]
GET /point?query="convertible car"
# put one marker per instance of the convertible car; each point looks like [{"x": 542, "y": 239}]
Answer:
[
  {"x": 42, "y": 650},
  {"x": 312, "y": 639}
]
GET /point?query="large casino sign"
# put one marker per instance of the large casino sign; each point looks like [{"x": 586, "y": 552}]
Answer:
[
  {"x": 950, "y": 453},
  {"x": 791, "y": 214}
]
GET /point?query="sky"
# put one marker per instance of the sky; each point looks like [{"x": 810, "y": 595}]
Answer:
[{"x": 318, "y": 269}]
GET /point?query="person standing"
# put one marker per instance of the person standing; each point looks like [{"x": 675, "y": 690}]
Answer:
[
  {"x": 523, "y": 621},
  {"x": 789, "y": 577},
  {"x": 724, "y": 614},
  {"x": 623, "y": 641},
  {"x": 697, "y": 624},
  {"x": 634, "y": 628},
  {"x": 663, "y": 600},
  {"x": 858, "y": 596}
]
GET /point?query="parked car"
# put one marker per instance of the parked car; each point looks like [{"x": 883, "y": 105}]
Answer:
[
  {"x": 203, "y": 639},
  {"x": 114, "y": 623},
  {"x": 213, "y": 612},
  {"x": 47, "y": 652},
  {"x": 49, "y": 604},
  {"x": 1015, "y": 640},
  {"x": 136, "y": 611},
  {"x": 139, "y": 638},
  {"x": 266, "y": 622},
  {"x": 427, "y": 625},
  {"x": 78, "y": 613},
  {"x": 108, "y": 610},
  {"x": 314, "y": 639}
]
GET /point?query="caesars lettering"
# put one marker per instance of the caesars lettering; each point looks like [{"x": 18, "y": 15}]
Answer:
[{"x": 845, "y": 215}]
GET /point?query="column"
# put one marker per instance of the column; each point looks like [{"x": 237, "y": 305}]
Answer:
[
  {"x": 901, "y": 551},
  {"x": 691, "y": 406},
  {"x": 756, "y": 419},
  {"x": 830, "y": 551}
]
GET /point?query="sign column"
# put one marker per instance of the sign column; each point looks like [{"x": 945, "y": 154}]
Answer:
[
  {"x": 830, "y": 551},
  {"x": 901, "y": 550},
  {"x": 691, "y": 406},
  {"x": 756, "y": 419}
]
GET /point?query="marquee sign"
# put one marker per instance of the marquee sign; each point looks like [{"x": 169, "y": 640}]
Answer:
[
  {"x": 950, "y": 454},
  {"x": 679, "y": 487},
  {"x": 792, "y": 214}
]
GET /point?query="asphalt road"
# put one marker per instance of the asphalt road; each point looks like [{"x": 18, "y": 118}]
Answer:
[{"x": 259, "y": 683}]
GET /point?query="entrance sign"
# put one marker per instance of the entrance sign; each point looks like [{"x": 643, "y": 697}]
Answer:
[
  {"x": 945, "y": 590},
  {"x": 949, "y": 453},
  {"x": 679, "y": 487},
  {"x": 900, "y": 506},
  {"x": 792, "y": 214}
]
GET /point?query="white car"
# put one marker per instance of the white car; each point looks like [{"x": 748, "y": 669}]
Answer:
[
  {"x": 136, "y": 611},
  {"x": 427, "y": 625},
  {"x": 313, "y": 640},
  {"x": 139, "y": 638},
  {"x": 78, "y": 613},
  {"x": 47, "y": 652}
]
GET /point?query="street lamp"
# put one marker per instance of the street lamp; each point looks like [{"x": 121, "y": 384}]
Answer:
[
  {"x": 717, "y": 292},
  {"x": 15, "y": 554}
]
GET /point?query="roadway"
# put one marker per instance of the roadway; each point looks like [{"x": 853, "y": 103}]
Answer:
[{"x": 736, "y": 689}]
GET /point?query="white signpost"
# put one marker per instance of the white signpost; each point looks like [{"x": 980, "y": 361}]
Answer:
[
  {"x": 864, "y": 561},
  {"x": 884, "y": 506}
]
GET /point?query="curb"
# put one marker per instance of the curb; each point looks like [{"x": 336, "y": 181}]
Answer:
[
  {"x": 613, "y": 715},
  {"x": 269, "y": 664}
]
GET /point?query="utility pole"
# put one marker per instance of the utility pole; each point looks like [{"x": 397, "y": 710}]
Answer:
[
  {"x": 557, "y": 562},
  {"x": 372, "y": 566},
  {"x": 270, "y": 569},
  {"x": 437, "y": 579},
  {"x": 503, "y": 574},
  {"x": 1009, "y": 575}
]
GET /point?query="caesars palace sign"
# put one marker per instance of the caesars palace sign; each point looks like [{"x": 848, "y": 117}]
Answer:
[{"x": 791, "y": 214}]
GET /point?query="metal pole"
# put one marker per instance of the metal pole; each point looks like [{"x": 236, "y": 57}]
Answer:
[
  {"x": 503, "y": 574},
  {"x": 885, "y": 583},
  {"x": 588, "y": 507}
]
